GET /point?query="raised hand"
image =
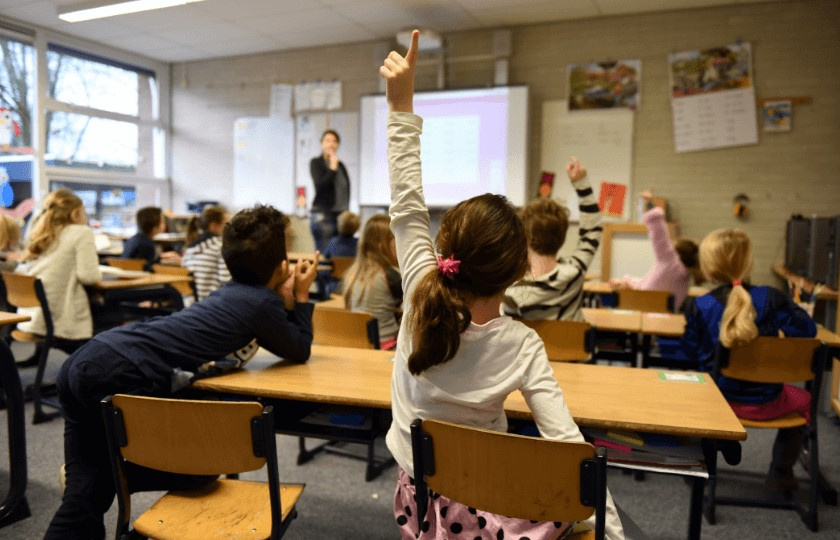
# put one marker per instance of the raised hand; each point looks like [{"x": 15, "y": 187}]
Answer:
[
  {"x": 333, "y": 161},
  {"x": 575, "y": 170},
  {"x": 398, "y": 72}
]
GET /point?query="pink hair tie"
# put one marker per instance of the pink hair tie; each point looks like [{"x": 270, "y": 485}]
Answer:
[
  {"x": 448, "y": 266},
  {"x": 736, "y": 282}
]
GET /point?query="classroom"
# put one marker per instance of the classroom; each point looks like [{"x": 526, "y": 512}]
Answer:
[{"x": 203, "y": 105}]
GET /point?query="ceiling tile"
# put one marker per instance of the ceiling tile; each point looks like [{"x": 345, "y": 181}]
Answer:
[
  {"x": 217, "y": 32},
  {"x": 623, "y": 7},
  {"x": 536, "y": 11}
]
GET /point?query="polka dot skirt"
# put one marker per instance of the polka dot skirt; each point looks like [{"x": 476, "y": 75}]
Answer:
[
  {"x": 446, "y": 518},
  {"x": 792, "y": 399}
]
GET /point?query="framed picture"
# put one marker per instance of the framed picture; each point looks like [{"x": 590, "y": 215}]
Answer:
[
  {"x": 777, "y": 116},
  {"x": 604, "y": 85}
]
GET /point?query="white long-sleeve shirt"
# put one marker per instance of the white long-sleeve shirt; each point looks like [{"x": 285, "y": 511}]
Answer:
[
  {"x": 494, "y": 358},
  {"x": 70, "y": 263}
]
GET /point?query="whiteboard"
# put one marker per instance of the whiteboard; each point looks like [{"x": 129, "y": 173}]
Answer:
[
  {"x": 308, "y": 130},
  {"x": 601, "y": 140},
  {"x": 263, "y": 163}
]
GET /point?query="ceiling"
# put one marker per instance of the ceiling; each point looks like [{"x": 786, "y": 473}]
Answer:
[{"x": 216, "y": 28}]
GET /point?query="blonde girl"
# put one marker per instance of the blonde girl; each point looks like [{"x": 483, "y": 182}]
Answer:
[
  {"x": 61, "y": 252},
  {"x": 735, "y": 313},
  {"x": 457, "y": 359},
  {"x": 372, "y": 284},
  {"x": 9, "y": 243},
  {"x": 203, "y": 256}
]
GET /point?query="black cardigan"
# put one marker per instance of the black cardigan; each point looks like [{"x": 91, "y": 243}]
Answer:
[{"x": 324, "y": 179}]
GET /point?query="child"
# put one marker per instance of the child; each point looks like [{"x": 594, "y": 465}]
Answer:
[
  {"x": 162, "y": 355},
  {"x": 457, "y": 359},
  {"x": 675, "y": 263},
  {"x": 372, "y": 284},
  {"x": 62, "y": 254},
  {"x": 9, "y": 243},
  {"x": 734, "y": 313},
  {"x": 344, "y": 244},
  {"x": 203, "y": 257},
  {"x": 554, "y": 288},
  {"x": 150, "y": 222}
]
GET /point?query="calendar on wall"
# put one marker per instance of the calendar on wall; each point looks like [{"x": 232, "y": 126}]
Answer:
[{"x": 713, "y": 98}]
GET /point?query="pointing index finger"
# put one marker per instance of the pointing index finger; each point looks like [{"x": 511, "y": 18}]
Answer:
[{"x": 411, "y": 55}]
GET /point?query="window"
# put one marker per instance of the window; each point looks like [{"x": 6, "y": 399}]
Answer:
[
  {"x": 101, "y": 114},
  {"x": 17, "y": 96}
]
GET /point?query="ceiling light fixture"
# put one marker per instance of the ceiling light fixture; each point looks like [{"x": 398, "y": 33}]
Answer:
[{"x": 98, "y": 9}]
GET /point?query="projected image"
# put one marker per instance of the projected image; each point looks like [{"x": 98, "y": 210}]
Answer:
[{"x": 473, "y": 142}]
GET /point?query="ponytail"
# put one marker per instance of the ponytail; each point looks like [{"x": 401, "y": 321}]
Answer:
[
  {"x": 439, "y": 314},
  {"x": 737, "y": 327},
  {"x": 60, "y": 209},
  {"x": 192, "y": 230}
]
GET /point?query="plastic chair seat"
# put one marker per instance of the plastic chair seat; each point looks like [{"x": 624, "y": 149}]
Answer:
[
  {"x": 208, "y": 512},
  {"x": 789, "y": 420},
  {"x": 26, "y": 337}
]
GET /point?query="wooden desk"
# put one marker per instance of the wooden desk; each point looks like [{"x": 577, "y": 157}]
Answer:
[
  {"x": 336, "y": 301},
  {"x": 606, "y": 397},
  {"x": 825, "y": 293},
  {"x": 149, "y": 280},
  {"x": 663, "y": 324},
  {"x": 14, "y": 506},
  {"x": 604, "y": 287},
  {"x": 598, "y": 396},
  {"x": 613, "y": 320}
]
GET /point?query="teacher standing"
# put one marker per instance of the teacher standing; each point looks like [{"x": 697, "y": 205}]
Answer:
[{"x": 332, "y": 190}]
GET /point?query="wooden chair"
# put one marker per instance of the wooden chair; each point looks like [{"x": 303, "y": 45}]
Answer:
[
  {"x": 650, "y": 301},
  {"x": 511, "y": 475},
  {"x": 136, "y": 265},
  {"x": 345, "y": 328},
  {"x": 200, "y": 438},
  {"x": 340, "y": 265},
  {"x": 186, "y": 288},
  {"x": 780, "y": 360},
  {"x": 28, "y": 292},
  {"x": 565, "y": 341}
]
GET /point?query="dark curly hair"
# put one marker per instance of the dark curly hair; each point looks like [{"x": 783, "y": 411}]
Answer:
[{"x": 254, "y": 244}]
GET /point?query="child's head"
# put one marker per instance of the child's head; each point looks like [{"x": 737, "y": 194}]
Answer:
[
  {"x": 375, "y": 253},
  {"x": 546, "y": 222},
  {"x": 689, "y": 254},
  {"x": 9, "y": 233},
  {"x": 348, "y": 223},
  {"x": 61, "y": 208},
  {"x": 254, "y": 244},
  {"x": 148, "y": 219},
  {"x": 211, "y": 220},
  {"x": 488, "y": 240},
  {"x": 726, "y": 259}
]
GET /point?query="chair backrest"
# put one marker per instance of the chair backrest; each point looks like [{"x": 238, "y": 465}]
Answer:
[
  {"x": 565, "y": 341},
  {"x": 24, "y": 291},
  {"x": 512, "y": 475},
  {"x": 650, "y": 301},
  {"x": 344, "y": 328},
  {"x": 184, "y": 287},
  {"x": 340, "y": 265},
  {"x": 137, "y": 265},
  {"x": 187, "y": 436},
  {"x": 773, "y": 360}
]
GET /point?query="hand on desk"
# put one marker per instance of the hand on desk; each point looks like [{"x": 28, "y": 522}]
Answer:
[{"x": 170, "y": 257}]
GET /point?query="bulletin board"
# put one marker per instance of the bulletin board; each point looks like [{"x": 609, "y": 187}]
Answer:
[
  {"x": 601, "y": 140},
  {"x": 308, "y": 130}
]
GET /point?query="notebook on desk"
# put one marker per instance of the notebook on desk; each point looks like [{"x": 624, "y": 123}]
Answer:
[{"x": 112, "y": 272}]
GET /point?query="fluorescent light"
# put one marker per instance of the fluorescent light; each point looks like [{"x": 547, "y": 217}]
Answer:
[{"x": 101, "y": 9}]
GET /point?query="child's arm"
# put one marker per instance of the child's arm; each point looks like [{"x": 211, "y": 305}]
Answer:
[
  {"x": 545, "y": 399},
  {"x": 792, "y": 319},
  {"x": 654, "y": 219},
  {"x": 589, "y": 234},
  {"x": 87, "y": 260},
  {"x": 409, "y": 215}
]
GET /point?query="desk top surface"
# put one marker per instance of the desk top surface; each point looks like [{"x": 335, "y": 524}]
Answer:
[
  {"x": 619, "y": 320},
  {"x": 147, "y": 280},
  {"x": 7, "y": 318},
  {"x": 598, "y": 396}
]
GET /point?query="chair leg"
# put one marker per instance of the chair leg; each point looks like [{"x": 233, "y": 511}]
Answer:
[{"x": 40, "y": 416}]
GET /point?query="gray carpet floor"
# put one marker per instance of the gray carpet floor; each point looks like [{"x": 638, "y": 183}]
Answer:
[{"x": 338, "y": 503}]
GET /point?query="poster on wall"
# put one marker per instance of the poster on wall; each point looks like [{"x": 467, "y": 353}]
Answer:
[
  {"x": 777, "y": 115},
  {"x": 713, "y": 98},
  {"x": 604, "y": 85}
]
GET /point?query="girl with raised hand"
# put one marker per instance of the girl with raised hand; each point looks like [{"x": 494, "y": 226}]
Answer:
[{"x": 457, "y": 358}]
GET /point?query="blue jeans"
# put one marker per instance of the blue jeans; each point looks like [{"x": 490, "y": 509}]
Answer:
[{"x": 324, "y": 226}]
